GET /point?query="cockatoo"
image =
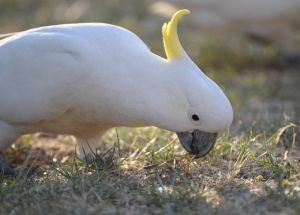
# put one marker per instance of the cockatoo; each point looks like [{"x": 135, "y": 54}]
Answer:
[{"x": 83, "y": 79}]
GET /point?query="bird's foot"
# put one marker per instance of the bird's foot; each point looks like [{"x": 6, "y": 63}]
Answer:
[{"x": 6, "y": 168}]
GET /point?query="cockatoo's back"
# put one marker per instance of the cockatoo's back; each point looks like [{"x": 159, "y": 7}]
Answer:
[{"x": 48, "y": 72}]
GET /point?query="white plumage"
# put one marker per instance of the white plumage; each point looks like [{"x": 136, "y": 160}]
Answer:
[{"x": 82, "y": 79}]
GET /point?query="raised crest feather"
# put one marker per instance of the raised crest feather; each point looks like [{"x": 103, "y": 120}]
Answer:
[{"x": 170, "y": 37}]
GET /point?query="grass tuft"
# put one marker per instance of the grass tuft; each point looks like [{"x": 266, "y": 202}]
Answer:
[{"x": 155, "y": 175}]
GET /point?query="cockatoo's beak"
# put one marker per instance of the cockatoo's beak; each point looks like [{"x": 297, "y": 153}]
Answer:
[{"x": 198, "y": 143}]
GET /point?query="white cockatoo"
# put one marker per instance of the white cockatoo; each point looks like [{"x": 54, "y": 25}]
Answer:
[{"x": 82, "y": 79}]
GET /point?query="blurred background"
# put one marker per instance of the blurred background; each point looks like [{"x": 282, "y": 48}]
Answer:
[{"x": 250, "y": 48}]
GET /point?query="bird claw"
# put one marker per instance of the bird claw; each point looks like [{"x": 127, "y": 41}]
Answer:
[{"x": 6, "y": 168}]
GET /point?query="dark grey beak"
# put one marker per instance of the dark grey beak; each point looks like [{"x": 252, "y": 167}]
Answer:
[{"x": 198, "y": 143}]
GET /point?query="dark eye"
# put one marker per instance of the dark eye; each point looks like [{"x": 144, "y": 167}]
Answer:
[{"x": 195, "y": 117}]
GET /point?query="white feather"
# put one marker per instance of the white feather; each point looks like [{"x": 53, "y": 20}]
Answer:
[{"x": 82, "y": 79}]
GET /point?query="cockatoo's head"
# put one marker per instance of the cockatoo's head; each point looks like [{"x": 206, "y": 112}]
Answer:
[{"x": 200, "y": 110}]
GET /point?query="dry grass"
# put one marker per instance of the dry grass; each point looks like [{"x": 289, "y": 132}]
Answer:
[{"x": 246, "y": 174}]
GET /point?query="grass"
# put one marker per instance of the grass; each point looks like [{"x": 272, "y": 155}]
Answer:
[{"x": 153, "y": 175}]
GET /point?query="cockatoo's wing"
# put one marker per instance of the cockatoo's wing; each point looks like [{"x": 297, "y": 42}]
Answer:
[
  {"x": 47, "y": 71},
  {"x": 39, "y": 72}
]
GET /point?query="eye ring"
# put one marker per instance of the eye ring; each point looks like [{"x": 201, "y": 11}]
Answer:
[{"x": 195, "y": 117}]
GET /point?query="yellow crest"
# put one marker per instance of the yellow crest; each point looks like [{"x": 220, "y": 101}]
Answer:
[{"x": 170, "y": 37}]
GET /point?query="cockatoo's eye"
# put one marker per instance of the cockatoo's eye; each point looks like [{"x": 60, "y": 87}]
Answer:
[{"x": 195, "y": 117}]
